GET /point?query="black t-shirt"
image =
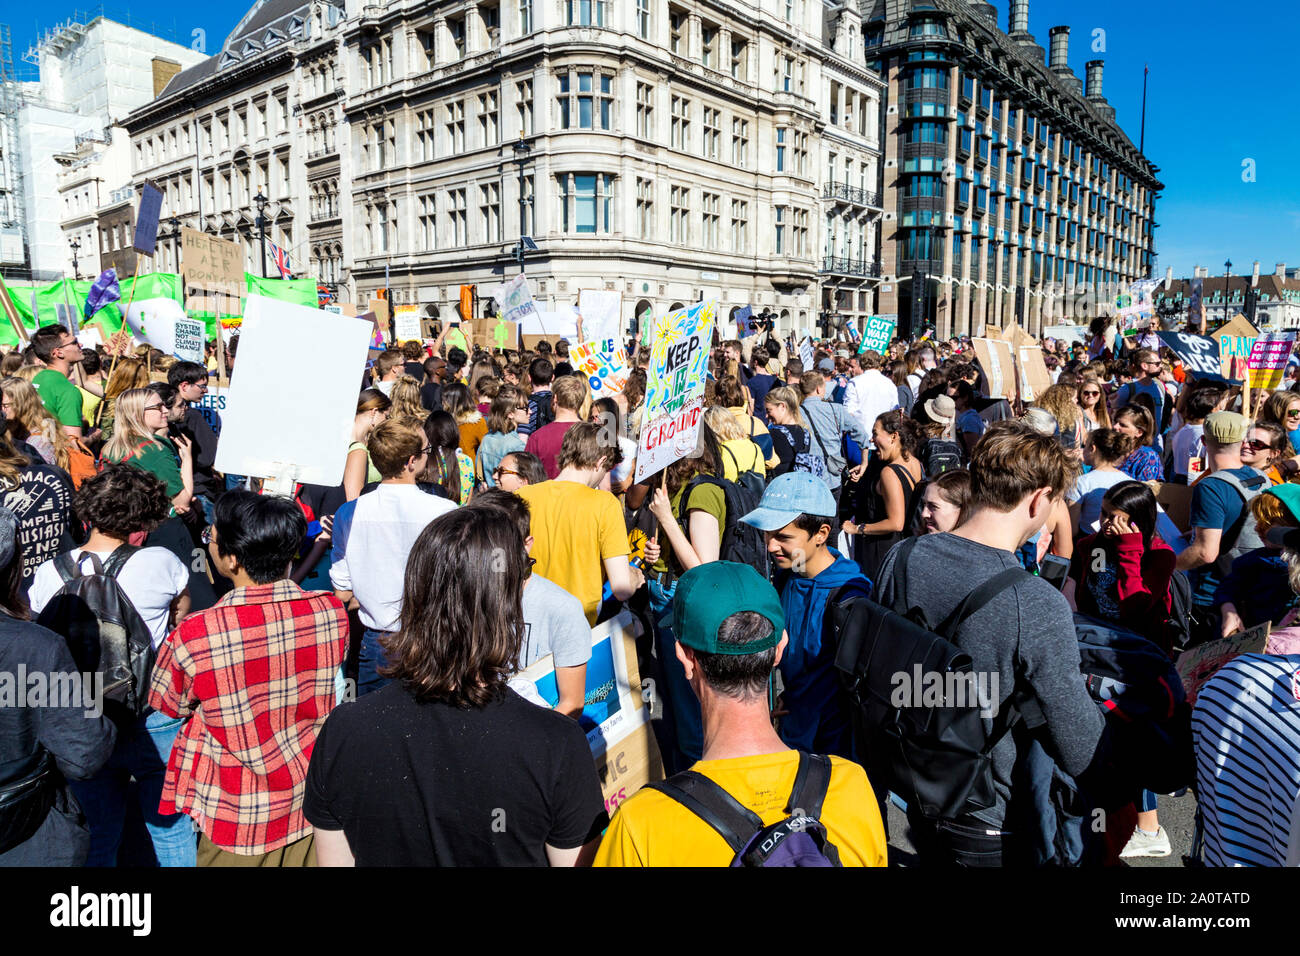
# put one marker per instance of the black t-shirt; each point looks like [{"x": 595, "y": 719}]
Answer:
[
  {"x": 431, "y": 396},
  {"x": 42, "y": 503},
  {"x": 195, "y": 427},
  {"x": 415, "y": 370},
  {"x": 414, "y": 784}
]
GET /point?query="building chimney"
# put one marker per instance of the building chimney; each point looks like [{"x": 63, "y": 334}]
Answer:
[
  {"x": 1092, "y": 86},
  {"x": 1019, "y": 17},
  {"x": 1254, "y": 276},
  {"x": 1060, "y": 44},
  {"x": 1280, "y": 270},
  {"x": 163, "y": 71},
  {"x": 985, "y": 10}
]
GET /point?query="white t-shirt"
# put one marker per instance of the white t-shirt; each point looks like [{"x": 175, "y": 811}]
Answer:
[
  {"x": 623, "y": 469},
  {"x": 1189, "y": 441},
  {"x": 151, "y": 579},
  {"x": 1089, "y": 489}
]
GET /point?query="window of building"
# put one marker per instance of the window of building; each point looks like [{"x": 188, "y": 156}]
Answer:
[
  {"x": 709, "y": 203},
  {"x": 680, "y": 137},
  {"x": 525, "y": 17},
  {"x": 645, "y": 95},
  {"x": 780, "y": 150},
  {"x": 709, "y": 45},
  {"x": 643, "y": 19},
  {"x": 586, "y": 100},
  {"x": 456, "y": 210},
  {"x": 586, "y": 202},
  {"x": 490, "y": 211},
  {"x": 585, "y": 13},
  {"x": 739, "y": 59},
  {"x": 456, "y": 31},
  {"x": 645, "y": 208},
  {"x": 456, "y": 127},
  {"x": 490, "y": 17},
  {"x": 524, "y": 106},
  {"x": 739, "y": 226},
  {"x": 425, "y": 135},
  {"x": 712, "y": 135},
  {"x": 678, "y": 197},
  {"x": 489, "y": 118},
  {"x": 428, "y": 223},
  {"x": 801, "y": 154},
  {"x": 927, "y": 27},
  {"x": 800, "y": 233},
  {"x": 787, "y": 74},
  {"x": 676, "y": 31},
  {"x": 779, "y": 231}
]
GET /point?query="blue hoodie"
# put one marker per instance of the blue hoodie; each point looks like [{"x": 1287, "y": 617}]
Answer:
[{"x": 816, "y": 720}]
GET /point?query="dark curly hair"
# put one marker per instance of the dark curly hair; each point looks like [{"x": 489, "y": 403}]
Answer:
[
  {"x": 123, "y": 500},
  {"x": 908, "y": 432}
]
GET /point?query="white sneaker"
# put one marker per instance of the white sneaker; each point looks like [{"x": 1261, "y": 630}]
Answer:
[{"x": 1147, "y": 844}]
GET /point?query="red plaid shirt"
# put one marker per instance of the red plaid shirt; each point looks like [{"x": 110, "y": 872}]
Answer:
[{"x": 255, "y": 675}]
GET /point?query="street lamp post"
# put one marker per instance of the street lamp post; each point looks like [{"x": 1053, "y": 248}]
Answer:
[
  {"x": 1227, "y": 280},
  {"x": 521, "y": 151},
  {"x": 175, "y": 237},
  {"x": 75, "y": 246},
  {"x": 261, "y": 201}
]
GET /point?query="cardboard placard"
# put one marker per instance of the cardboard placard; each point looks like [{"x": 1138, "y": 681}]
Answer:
[
  {"x": 1034, "y": 376},
  {"x": 496, "y": 334},
  {"x": 995, "y": 358},
  {"x": 1197, "y": 665},
  {"x": 1067, "y": 333},
  {"x": 380, "y": 308},
  {"x": 212, "y": 263},
  {"x": 1018, "y": 337},
  {"x": 1234, "y": 339},
  {"x": 1176, "y": 501},
  {"x": 274, "y": 427},
  {"x": 614, "y": 716}
]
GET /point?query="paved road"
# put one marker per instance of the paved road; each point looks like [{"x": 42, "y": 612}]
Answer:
[{"x": 1176, "y": 816}]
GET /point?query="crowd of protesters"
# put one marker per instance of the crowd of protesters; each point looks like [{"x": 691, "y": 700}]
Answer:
[{"x": 335, "y": 677}]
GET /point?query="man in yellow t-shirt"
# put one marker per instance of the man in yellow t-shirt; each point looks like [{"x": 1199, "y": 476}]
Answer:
[
  {"x": 578, "y": 530},
  {"x": 730, "y": 635}
]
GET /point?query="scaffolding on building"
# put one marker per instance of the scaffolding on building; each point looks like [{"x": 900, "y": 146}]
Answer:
[{"x": 14, "y": 251}]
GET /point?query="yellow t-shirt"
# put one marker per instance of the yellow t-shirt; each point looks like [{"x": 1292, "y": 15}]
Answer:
[
  {"x": 575, "y": 528},
  {"x": 651, "y": 829},
  {"x": 89, "y": 402},
  {"x": 739, "y": 455}
]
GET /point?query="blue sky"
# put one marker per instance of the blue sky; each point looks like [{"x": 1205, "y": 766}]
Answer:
[{"x": 1221, "y": 90}]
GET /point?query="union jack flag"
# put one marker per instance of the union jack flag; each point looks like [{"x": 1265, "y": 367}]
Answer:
[{"x": 281, "y": 257}]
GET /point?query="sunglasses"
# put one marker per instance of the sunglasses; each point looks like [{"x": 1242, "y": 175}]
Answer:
[
  {"x": 505, "y": 471},
  {"x": 1085, "y": 394},
  {"x": 1293, "y": 413},
  {"x": 154, "y": 408},
  {"x": 1256, "y": 444}
]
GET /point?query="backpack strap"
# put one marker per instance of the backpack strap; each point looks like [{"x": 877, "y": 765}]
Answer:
[
  {"x": 811, "y": 782},
  {"x": 66, "y": 567},
  {"x": 733, "y": 821},
  {"x": 118, "y": 558},
  {"x": 977, "y": 598}
]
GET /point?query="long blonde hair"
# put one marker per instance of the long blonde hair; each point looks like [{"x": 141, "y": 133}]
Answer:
[
  {"x": 789, "y": 397},
  {"x": 33, "y": 418},
  {"x": 1101, "y": 412},
  {"x": 723, "y": 423},
  {"x": 129, "y": 429},
  {"x": 405, "y": 396},
  {"x": 1061, "y": 400}
]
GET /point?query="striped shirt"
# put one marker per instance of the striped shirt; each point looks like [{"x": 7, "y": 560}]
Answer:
[{"x": 1246, "y": 726}]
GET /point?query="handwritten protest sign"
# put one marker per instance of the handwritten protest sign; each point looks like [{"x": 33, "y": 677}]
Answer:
[
  {"x": 614, "y": 715},
  {"x": 876, "y": 334},
  {"x": 600, "y": 321},
  {"x": 667, "y": 438},
  {"x": 406, "y": 319},
  {"x": 211, "y": 263},
  {"x": 995, "y": 358},
  {"x": 679, "y": 358},
  {"x": 1235, "y": 340},
  {"x": 806, "y": 354},
  {"x": 1268, "y": 359},
  {"x": 1198, "y": 664},
  {"x": 517, "y": 300},
  {"x": 606, "y": 372},
  {"x": 187, "y": 339},
  {"x": 1198, "y": 353}
]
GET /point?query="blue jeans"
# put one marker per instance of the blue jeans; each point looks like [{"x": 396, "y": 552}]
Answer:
[
  {"x": 368, "y": 664},
  {"x": 142, "y": 751},
  {"x": 681, "y": 700}
]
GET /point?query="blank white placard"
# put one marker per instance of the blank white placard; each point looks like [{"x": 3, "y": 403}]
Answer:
[{"x": 293, "y": 393}]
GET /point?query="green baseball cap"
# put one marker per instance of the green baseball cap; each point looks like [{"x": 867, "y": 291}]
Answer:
[
  {"x": 710, "y": 593},
  {"x": 1289, "y": 495}
]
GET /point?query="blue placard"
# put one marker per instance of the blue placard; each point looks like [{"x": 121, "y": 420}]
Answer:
[{"x": 146, "y": 221}]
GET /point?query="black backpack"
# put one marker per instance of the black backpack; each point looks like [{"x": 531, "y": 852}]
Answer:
[
  {"x": 1139, "y": 691},
  {"x": 103, "y": 629},
  {"x": 739, "y": 542},
  {"x": 940, "y": 455},
  {"x": 937, "y": 757},
  {"x": 1179, "y": 624},
  {"x": 800, "y": 839},
  {"x": 545, "y": 411}
]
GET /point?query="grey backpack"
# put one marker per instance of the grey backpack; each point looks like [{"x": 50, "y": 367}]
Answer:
[{"x": 1246, "y": 539}]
